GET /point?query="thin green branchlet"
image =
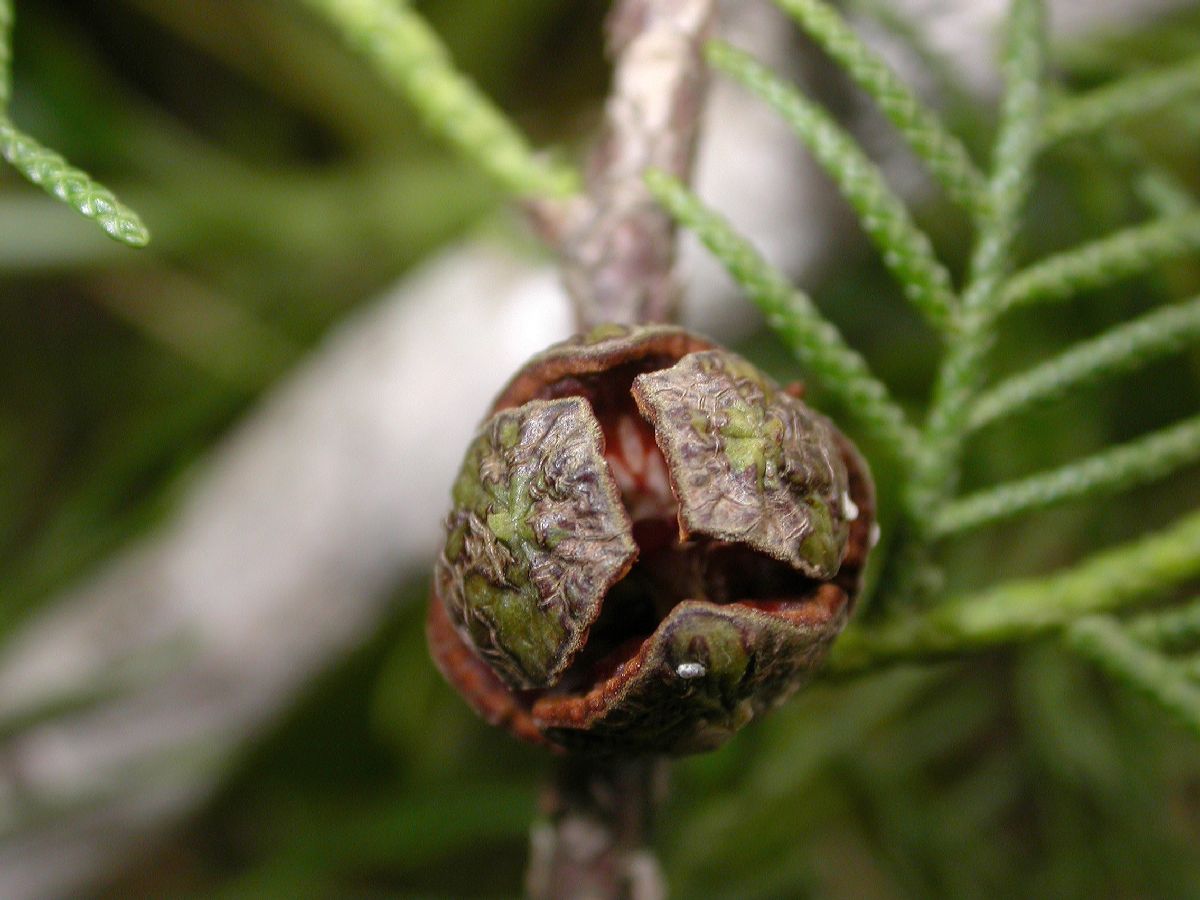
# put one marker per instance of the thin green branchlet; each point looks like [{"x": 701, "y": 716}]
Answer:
[
  {"x": 1121, "y": 349},
  {"x": 1136, "y": 573},
  {"x": 57, "y": 177},
  {"x": 947, "y": 158},
  {"x": 47, "y": 169},
  {"x": 1107, "y": 472},
  {"x": 948, "y": 91},
  {"x": 409, "y": 56},
  {"x": 1123, "y": 254},
  {"x": 934, "y": 477},
  {"x": 904, "y": 248},
  {"x": 936, "y": 473}
]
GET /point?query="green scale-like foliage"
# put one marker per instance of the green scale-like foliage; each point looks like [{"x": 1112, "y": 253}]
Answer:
[
  {"x": 410, "y": 57},
  {"x": 73, "y": 186},
  {"x": 50, "y": 171}
]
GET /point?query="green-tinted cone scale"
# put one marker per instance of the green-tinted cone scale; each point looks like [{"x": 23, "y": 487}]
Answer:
[
  {"x": 537, "y": 536},
  {"x": 651, "y": 544}
]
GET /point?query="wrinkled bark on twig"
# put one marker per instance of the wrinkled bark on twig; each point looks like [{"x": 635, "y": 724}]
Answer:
[
  {"x": 594, "y": 843},
  {"x": 617, "y": 245}
]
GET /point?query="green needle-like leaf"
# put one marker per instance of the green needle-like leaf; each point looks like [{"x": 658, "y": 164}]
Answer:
[
  {"x": 1116, "y": 469},
  {"x": 410, "y": 57},
  {"x": 815, "y": 341},
  {"x": 1167, "y": 682},
  {"x": 73, "y": 186},
  {"x": 1016, "y": 147},
  {"x": 961, "y": 371},
  {"x": 1120, "y": 349},
  {"x": 1140, "y": 571},
  {"x": 945, "y": 154},
  {"x": 905, "y": 248},
  {"x": 1133, "y": 95},
  {"x": 1102, "y": 262}
]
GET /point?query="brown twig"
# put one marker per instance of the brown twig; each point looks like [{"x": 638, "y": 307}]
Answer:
[
  {"x": 617, "y": 244},
  {"x": 594, "y": 844}
]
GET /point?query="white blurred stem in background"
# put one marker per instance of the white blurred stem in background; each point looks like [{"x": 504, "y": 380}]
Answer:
[{"x": 281, "y": 553}]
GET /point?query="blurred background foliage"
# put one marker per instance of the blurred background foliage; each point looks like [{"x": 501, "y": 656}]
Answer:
[{"x": 284, "y": 186}]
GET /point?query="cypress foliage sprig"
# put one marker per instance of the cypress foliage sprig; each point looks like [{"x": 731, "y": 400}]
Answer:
[
  {"x": 57, "y": 177},
  {"x": 50, "y": 171},
  {"x": 947, "y": 158},
  {"x": 410, "y": 57},
  {"x": 1118, "y": 468},
  {"x": 961, "y": 371},
  {"x": 1122, "y": 348},
  {"x": 1097, "y": 264},
  {"x": 906, "y": 249},
  {"x": 1137, "y": 572}
]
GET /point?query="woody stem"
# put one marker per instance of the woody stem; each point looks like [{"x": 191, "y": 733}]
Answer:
[
  {"x": 617, "y": 245},
  {"x": 594, "y": 842}
]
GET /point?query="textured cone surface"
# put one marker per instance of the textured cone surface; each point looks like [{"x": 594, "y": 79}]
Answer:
[
  {"x": 536, "y": 537},
  {"x": 749, "y": 463},
  {"x": 746, "y": 567},
  {"x": 597, "y": 352},
  {"x": 705, "y": 673}
]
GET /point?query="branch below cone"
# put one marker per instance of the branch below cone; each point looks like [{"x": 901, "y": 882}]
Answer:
[{"x": 595, "y": 842}]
